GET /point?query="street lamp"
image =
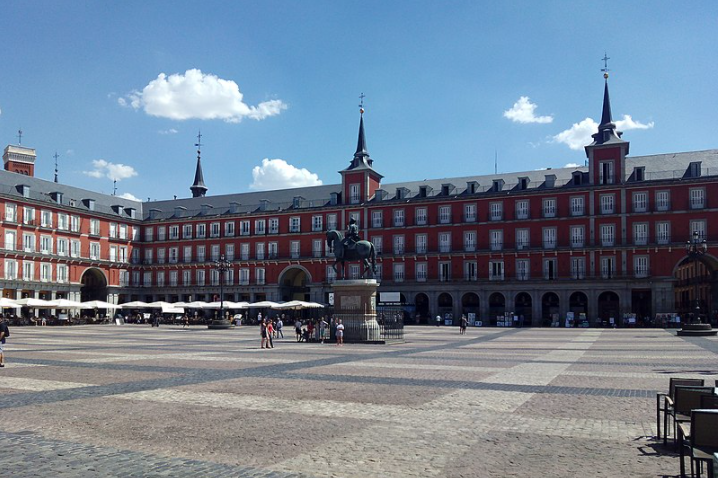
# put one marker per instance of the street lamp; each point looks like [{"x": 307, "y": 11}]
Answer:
[
  {"x": 221, "y": 265},
  {"x": 695, "y": 248}
]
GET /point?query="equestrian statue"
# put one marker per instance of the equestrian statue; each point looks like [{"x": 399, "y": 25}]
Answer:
[{"x": 351, "y": 248}]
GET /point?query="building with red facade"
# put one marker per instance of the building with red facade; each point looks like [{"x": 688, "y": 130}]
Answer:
[{"x": 604, "y": 240}]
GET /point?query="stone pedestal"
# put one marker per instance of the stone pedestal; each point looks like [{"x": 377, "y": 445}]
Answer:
[
  {"x": 355, "y": 305},
  {"x": 697, "y": 330}
]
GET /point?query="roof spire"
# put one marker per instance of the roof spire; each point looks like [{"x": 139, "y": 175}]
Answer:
[
  {"x": 198, "y": 188},
  {"x": 361, "y": 141},
  {"x": 607, "y": 128}
]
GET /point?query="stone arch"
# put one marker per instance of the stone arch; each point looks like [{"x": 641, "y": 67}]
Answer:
[
  {"x": 695, "y": 285},
  {"x": 94, "y": 285},
  {"x": 578, "y": 303},
  {"x": 497, "y": 306},
  {"x": 421, "y": 301},
  {"x": 470, "y": 304},
  {"x": 445, "y": 304},
  {"x": 523, "y": 307},
  {"x": 549, "y": 307},
  {"x": 609, "y": 307},
  {"x": 294, "y": 283}
]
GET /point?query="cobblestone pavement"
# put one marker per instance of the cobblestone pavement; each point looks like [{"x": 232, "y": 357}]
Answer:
[{"x": 140, "y": 401}]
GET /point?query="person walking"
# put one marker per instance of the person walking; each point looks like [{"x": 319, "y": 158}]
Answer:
[
  {"x": 270, "y": 331},
  {"x": 462, "y": 325},
  {"x": 4, "y": 334},
  {"x": 263, "y": 333},
  {"x": 280, "y": 325},
  {"x": 298, "y": 330},
  {"x": 323, "y": 326},
  {"x": 340, "y": 332},
  {"x": 438, "y": 320}
]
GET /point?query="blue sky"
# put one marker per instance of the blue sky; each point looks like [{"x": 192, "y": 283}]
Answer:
[{"x": 120, "y": 89}]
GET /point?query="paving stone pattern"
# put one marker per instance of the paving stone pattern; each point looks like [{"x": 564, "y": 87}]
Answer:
[{"x": 128, "y": 401}]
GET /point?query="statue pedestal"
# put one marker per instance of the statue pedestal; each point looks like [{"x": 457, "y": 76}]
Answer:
[{"x": 355, "y": 305}]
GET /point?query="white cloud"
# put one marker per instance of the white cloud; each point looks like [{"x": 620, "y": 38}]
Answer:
[
  {"x": 523, "y": 112},
  {"x": 278, "y": 174},
  {"x": 130, "y": 196},
  {"x": 168, "y": 131},
  {"x": 0, "y": 111},
  {"x": 114, "y": 171},
  {"x": 572, "y": 165},
  {"x": 579, "y": 134},
  {"x": 196, "y": 95}
]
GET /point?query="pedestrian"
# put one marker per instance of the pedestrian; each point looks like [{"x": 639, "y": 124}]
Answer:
[
  {"x": 323, "y": 325},
  {"x": 438, "y": 320},
  {"x": 270, "y": 331},
  {"x": 185, "y": 321},
  {"x": 298, "y": 330},
  {"x": 280, "y": 325},
  {"x": 263, "y": 333},
  {"x": 310, "y": 329},
  {"x": 340, "y": 332},
  {"x": 462, "y": 325},
  {"x": 4, "y": 334}
]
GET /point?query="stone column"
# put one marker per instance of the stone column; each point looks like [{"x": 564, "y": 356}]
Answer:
[{"x": 355, "y": 305}]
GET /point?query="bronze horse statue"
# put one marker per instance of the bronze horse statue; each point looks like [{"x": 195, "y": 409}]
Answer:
[{"x": 363, "y": 251}]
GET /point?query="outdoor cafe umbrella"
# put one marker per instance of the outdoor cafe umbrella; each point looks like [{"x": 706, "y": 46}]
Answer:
[
  {"x": 264, "y": 304},
  {"x": 137, "y": 304},
  {"x": 34, "y": 303},
  {"x": 228, "y": 304},
  {"x": 65, "y": 304},
  {"x": 5, "y": 302},
  {"x": 197, "y": 304},
  {"x": 99, "y": 304}
]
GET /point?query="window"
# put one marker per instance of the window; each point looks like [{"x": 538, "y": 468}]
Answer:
[
  {"x": 214, "y": 251},
  {"x": 259, "y": 275},
  {"x": 229, "y": 252},
  {"x": 173, "y": 255},
  {"x": 213, "y": 277},
  {"x": 123, "y": 231},
  {"x": 187, "y": 254},
  {"x": 640, "y": 233},
  {"x": 496, "y": 239},
  {"x": 522, "y": 209},
  {"x": 399, "y": 244},
  {"x": 421, "y": 268},
  {"x": 161, "y": 279},
  {"x": 640, "y": 266},
  {"x": 294, "y": 224},
  {"x": 549, "y": 207},
  {"x": 608, "y": 267},
  {"x": 444, "y": 271},
  {"x": 549, "y": 237},
  {"x": 135, "y": 233},
  {"x": 11, "y": 270},
  {"x": 187, "y": 231},
  {"x": 124, "y": 277},
  {"x": 577, "y": 206},
  {"x": 420, "y": 216},
  {"x": 186, "y": 277},
  {"x": 605, "y": 172},
  {"x": 317, "y": 247},
  {"x": 201, "y": 276},
  {"x": 496, "y": 211},
  {"x": 45, "y": 272},
  {"x": 243, "y": 276},
  {"x": 377, "y": 218},
  {"x": 113, "y": 231},
  {"x": 259, "y": 251},
  {"x": 294, "y": 249},
  {"x": 201, "y": 231},
  {"x": 63, "y": 221},
  {"x": 94, "y": 227},
  {"x": 201, "y": 253},
  {"x": 640, "y": 202},
  {"x": 28, "y": 270},
  {"x": 445, "y": 242},
  {"x": 578, "y": 267},
  {"x": 62, "y": 246},
  {"x": 698, "y": 226},
  {"x": 147, "y": 279},
  {"x": 378, "y": 242},
  {"x": 173, "y": 278},
  {"x": 663, "y": 200},
  {"x": 419, "y": 243},
  {"x": 550, "y": 269},
  {"x": 75, "y": 223},
  {"x": 46, "y": 219},
  {"x": 353, "y": 271},
  {"x": 663, "y": 232},
  {"x": 10, "y": 240},
  {"x": 272, "y": 249},
  {"x": 469, "y": 212},
  {"x": 135, "y": 256},
  {"x": 398, "y": 217},
  {"x": 95, "y": 250},
  {"x": 28, "y": 242},
  {"x": 357, "y": 218},
  {"x": 444, "y": 214},
  {"x": 46, "y": 244},
  {"x": 229, "y": 228},
  {"x": 607, "y": 204},
  {"x": 244, "y": 251},
  {"x": 214, "y": 229},
  {"x": 399, "y": 272},
  {"x": 10, "y": 213},
  {"x": 522, "y": 239},
  {"x": 61, "y": 273},
  {"x": 496, "y": 270},
  {"x": 354, "y": 193},
  {"x": 274, "y": 225},
  {"x": 331, "y": 274},
  {"x": 148, "y": 256},
  {"x": 470, "y": 241},
  {"x": 160, "y": 255},
  {"x": 244, "y": 228},
  {"x": 578, "y": 236},
  {"x": 697, "y": 198},
  {"x": 317, "y": 223},
  {"x": 471, "y": 271},
  {"x": 161, "y": 232},
  {"x": 148, "y": 234},
  {"x": 260, "y": 227},
  {"x": 28, "y": 216},
  {"x": 608, "y": 235},
  {"x": 379, "y": 274},
  {"x": 331, "y": 222},
  {"x": 522, "y": 269}
]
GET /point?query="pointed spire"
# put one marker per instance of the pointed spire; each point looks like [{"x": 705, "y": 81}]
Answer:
[
  {"x": 198, "y": 188},
  {"x": 361, "y": 141},
  {"x": 606, "y": 118}
]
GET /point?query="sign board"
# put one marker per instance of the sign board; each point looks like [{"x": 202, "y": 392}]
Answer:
[
  {"x": 330, "y": 299},
  {"x": 390, "y": 297}
]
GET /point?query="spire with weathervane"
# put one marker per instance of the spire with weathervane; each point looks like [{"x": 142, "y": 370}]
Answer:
[
  {"x": 361, "y": 156},
  {"x": 607, "y": 128},
  {"x": 198, "y": 188}
]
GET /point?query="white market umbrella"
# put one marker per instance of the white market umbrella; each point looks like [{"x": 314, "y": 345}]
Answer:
[
  {"x": 228, "y": 304},
  {"x": 291, "y": 305},
  {"x": 197, "y": 304},
  {"x": 156, "y": 305},
  {"x": 5, "y": 302},
  {"x": 312, "y": 305},
  {"x": 66, "y": 304},
  {"x": 264, "y": 304},
  {"x": 35, "y": 303},
  {"x": 137, "y": 304},
  {"x": 172, "y": 309},
  {"x": 99, "y": 304}
]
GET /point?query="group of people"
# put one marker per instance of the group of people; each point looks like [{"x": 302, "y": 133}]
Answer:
[{"x": 314, "y": 330}]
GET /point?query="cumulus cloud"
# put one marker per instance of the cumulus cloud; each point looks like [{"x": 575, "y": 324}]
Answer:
[
  {"x": 278, "y": 174},
  {"x": 130, "y": 196},
  {"x": 0, "y": 111},
  {"x": 114, "y": 171},
  {"x": 195, "y": 95},
  {"x": 572, "y": 165},
  {"x": 168, "y": 131},
  {"x": 523, "y": 112},
  {"x": 579, "y": 134}
]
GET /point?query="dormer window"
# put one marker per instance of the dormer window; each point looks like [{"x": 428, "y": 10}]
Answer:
[
  {"x": 550, "y": 180},
  {"x": 179, "y": 211},
  {"x": 234, "y": 206},
  {"x": 497, "y": 185},
  {"x": 56, "y": 196},
  {"x": 523, "y": 184},
  {"x": 577, "y": 178},
  {"x": 131, "y": 212},
  {"x": 334, "y": 199},
  {"x": 24, "y": 189},
  {"x": 117, "y": 209},
  {"x": 155, "y": 213},
  {"x": 380, "y": 194},
  {"x": 90, "y": 204},
  {"x": 424, "y": 191},
  {"x": 639, "y": 173},
  {"x": 472, "y": 187},
  {"x": 205, "y": 208},
  {"x": 447, "y": 189},
  {"x": 296, "y": 202},
  {"x": 400, "y": 193},
  {"x": 694, "y": 169}
]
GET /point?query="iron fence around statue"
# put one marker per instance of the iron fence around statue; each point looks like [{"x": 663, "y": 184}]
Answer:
[{"x": 390, "y": 321}]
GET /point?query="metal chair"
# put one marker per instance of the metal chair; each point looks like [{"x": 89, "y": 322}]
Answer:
[
  {"x": 709, "y": 402},
  {"x": 704, "y": 439},
  {"x": 685, "y": 399},
  {"x": 661, "y": 399}
]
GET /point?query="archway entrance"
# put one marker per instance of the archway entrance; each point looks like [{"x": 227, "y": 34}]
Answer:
[
  {"x": 549, "y": 308},
  {"x": 694, "y": 288},
  {"x": 470, "y": 305},
  {"x": 94, "y": 285},
  {"x": 609, "y": 307},
  {"x": 497, "y": 307},
  {"x": 445, "y": 305},
  {"x": 523, "y": 308},
  {"x": 294, "y": 284},
  {"x": 422, "y": 308},
  {"x": 578, "y": 303}
]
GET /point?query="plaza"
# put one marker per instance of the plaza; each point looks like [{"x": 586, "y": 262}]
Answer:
[{"x": 138, "y": 401}]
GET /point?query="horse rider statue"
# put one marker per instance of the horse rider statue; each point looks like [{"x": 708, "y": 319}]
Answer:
[{"x": 352, "y": 237}]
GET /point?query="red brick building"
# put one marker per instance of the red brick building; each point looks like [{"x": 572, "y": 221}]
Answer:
[{"x": 605, "y": 240}]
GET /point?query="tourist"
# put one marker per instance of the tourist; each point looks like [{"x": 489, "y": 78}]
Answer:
[
  {"x": 323, "y": 325},
  {"x": 310, "y": 330},
  {"x": 438, "y": 320},
  {"x": 298, "y": 329},
  {"x": 340, "y": 332},
  {"x": 280, "y": 325},
  {"x": 263, "y": 333},
  {"x": 4, "y": 334},
  {"x": 462, "y": 325},
  {"x": 270, "y": 331},
  {"x": 185, "y": 321}
]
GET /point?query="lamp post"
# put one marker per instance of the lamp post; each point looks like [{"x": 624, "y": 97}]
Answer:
[
  {"x": 695, "y": 248},
  {"x": 221, "y": 265}
]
